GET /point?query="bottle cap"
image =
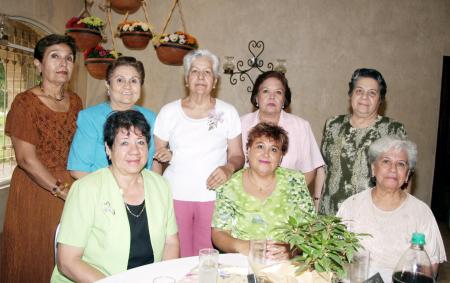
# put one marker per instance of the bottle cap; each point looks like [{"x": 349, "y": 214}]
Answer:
[{"x": 418, "y": 239}]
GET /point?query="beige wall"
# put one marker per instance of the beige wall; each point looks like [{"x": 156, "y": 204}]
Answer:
[
  {"x": 323, "y": 42},
  {"x": 52, "y": 14}
]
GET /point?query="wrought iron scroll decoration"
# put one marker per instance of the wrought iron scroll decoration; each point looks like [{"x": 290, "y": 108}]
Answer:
[{"x": 256, "y": 48}]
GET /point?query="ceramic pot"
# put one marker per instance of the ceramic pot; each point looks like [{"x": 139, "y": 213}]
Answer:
[
  {"x": 97, "y": 67},
  {"x": 123, "y": 6},
  {"x": 172, "y": 53},
  {"x": 85, "y": 38},
  {"x": 136, "y": 39}
]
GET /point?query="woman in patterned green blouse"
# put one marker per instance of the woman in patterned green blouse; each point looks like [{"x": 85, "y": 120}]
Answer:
[
  {"x": 346, "y": 140},
  {"x": 259, "y": 198}
]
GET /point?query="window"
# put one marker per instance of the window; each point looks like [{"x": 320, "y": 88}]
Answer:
[{"x": 17, "y": 73}]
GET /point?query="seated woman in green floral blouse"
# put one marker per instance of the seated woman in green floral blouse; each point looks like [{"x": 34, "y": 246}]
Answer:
[{"x": 259, "y": 198}]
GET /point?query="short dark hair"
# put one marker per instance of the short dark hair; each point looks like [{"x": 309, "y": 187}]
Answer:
[
  {"x": 271, "y": 131},
  {"x": 53, "y": 39},
  {"x": 368, "y": 73},
  {"x": 125, "y": 120},
  {"x": 271, "y": 74},
  {"x": 126, "y": 61}
]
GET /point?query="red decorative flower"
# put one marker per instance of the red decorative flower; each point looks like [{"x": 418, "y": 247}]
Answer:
[
  {"x": 100, "y": 52},
  {"x": 73, "y": 23}
]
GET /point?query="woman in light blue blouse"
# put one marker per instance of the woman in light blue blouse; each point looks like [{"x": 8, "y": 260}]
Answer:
[{"x": 124, "y": 81}]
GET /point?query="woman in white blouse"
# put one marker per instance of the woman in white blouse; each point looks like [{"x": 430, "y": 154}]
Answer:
[{"x": 204, "y": 136}]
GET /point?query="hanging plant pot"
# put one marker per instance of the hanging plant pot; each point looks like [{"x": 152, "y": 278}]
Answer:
[
  {"x": 97, "y": 67},
  {"x": 123, "y": 6},
  {"x": 172, "y": 53},
  {"x": 136, "y": 39},
  {"x": 85, "y": 38}
]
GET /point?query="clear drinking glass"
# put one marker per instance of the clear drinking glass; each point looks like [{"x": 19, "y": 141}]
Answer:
[
  {"x": 359, "y": 268},
  {"x": 208, "y": 265},
  {"x": 257, "y": 257}
]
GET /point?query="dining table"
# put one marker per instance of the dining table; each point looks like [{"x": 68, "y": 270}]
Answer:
[{"x": 179, "y": 269}]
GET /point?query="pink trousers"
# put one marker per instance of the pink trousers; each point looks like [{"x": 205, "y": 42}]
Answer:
[{"x": 194, "y": 225}]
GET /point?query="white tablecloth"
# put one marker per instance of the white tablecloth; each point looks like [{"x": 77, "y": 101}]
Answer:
[{"x": 175, "y": 268}]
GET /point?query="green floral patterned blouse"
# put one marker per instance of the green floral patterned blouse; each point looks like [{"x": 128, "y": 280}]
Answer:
[
  {"x": 344, "y": 150},
  {"x": 250, "y": 218}
]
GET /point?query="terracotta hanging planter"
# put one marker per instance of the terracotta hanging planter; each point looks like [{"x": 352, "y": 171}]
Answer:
[
  {"x": 172, "y": 53},
  {"x": 85, "y": 38},
  {"x": 136, "y": 39},
  {"x": 97, "y": 67},
  {"x": 123, "y": 6}
]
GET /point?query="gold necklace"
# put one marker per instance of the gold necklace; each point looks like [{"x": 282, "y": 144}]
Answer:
[
  {"x": 260, "y": 188},
  {"x": 61, "y": 92}
]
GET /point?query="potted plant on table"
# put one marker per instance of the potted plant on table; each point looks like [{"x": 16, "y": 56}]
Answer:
[
  {"x": 135, "y": 34},
  {"x": 97, "y": 60},
  {"x": 85, "y": 30},
  {"x": 323, "y": 245},
  {"x": 171, "y": 48}
]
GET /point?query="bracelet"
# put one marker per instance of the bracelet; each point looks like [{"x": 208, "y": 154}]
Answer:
[{"x": 54, "y": 191}]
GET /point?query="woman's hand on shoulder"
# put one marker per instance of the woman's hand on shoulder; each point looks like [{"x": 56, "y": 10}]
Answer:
[{"x": 218, "y": 177}]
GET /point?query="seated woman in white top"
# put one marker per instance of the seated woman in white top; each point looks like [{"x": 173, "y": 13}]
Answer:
[{"x": 388, "y": 213}]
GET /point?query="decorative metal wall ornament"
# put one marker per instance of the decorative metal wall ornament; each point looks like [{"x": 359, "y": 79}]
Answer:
[{"x": 256, "y": 48}]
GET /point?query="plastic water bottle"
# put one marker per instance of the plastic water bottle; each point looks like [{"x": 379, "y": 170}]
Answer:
[{"x": 414, "y": 266}]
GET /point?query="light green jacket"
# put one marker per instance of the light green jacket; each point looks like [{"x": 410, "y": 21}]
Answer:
[{"x": 95, "y": 219}]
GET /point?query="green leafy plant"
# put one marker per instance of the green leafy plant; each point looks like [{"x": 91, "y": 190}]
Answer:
[{"x": 322, "y": 243}]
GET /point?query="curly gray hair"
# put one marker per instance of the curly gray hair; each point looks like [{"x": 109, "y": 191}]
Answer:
[
  {"x": 194, "y": 54},
  {"x": 393, "y": 142}
]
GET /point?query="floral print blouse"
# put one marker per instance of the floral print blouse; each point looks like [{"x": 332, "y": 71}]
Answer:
[
  {"x": 344, "y": 150},
  {"x": 250, "y": 218}
]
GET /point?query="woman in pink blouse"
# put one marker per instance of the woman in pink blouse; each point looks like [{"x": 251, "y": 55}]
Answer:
[{"x": 270, "y": 96}]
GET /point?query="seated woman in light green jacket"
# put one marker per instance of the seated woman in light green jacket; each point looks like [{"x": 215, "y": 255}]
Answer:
[{"x": 119, "y": 217}]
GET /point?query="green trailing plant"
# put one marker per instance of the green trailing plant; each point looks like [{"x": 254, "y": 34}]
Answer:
[{"x": 321, "y": 242}]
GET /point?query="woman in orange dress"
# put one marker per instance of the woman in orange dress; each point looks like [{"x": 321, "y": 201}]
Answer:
[{"x": 41, "y": 124}]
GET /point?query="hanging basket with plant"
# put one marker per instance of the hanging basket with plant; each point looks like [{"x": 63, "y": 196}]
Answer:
[
  {"x": 323, "y": 245},
  {"x": 171, "y": 48},
  {"x": 135, "y": 34},
  {"x": 85, "y": 30},
  {"x": 97, "y": 60},
  {"x": 125, "y": 6}
]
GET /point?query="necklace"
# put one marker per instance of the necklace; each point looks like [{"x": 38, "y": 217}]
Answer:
[
  {"x": 136, "y": 215},
  {"x": 260, "y": 188},
  {"x": 61, "y": 93}
]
